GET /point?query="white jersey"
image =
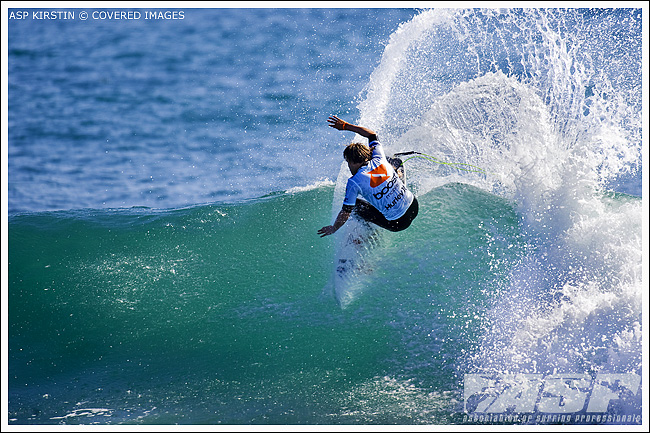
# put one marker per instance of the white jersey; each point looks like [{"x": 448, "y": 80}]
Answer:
[{"x": 379, "y": 184}]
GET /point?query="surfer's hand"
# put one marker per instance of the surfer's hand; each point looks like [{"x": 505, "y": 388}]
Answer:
[
  {"x": 342, "y": 125},
  {"x": 327, "y": 230},
  {"x": 341, "y": 218},
  {"x": 337, "y": 123}
]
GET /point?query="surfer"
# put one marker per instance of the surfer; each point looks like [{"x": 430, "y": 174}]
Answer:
[{"x": 386, "y": 201}]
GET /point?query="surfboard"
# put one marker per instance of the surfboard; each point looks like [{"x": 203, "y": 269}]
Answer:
[
  {"x": 353, "y": 263},
  {"x": 357, "y": 241},
  {"x": 398, "y": 165}
]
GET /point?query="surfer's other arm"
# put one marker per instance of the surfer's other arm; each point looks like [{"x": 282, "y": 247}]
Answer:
[
  {"x": 342, "y": 125},
  {"x": 340, "y": 220}
]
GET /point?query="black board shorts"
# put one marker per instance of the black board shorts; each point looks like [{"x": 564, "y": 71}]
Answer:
[{"x": 368, "y": 212}]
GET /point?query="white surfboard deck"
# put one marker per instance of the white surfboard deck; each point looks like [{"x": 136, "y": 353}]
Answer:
[{"x": 353, "y": 265}]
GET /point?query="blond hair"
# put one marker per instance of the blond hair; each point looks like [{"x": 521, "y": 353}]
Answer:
[{"x": 357, "y": 153}]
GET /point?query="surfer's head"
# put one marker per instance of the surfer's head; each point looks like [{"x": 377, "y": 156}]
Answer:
[{"x": 357, "y": 153}]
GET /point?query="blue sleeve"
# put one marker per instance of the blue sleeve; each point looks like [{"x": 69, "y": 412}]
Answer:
[
  {"x": 352, "y": 191},
  {"x": 377, "y": 149}
]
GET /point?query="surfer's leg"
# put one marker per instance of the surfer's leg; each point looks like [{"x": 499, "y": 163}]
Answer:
[
  {"x": 403, "y": 222},
  {"x": 368, "y": 212}
]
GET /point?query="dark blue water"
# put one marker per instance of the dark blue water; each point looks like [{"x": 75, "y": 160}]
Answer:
[{"x": 223, "y": 104}]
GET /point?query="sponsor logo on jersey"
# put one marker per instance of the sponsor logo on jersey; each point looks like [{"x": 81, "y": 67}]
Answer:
[
  {"x": 378, "y": 176},
  {"x": 387, "y": 188}
]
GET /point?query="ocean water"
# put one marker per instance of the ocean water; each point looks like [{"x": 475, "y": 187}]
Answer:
[
  {"x": 166, "y": 180},
  {"x": 171, "y": 113}
]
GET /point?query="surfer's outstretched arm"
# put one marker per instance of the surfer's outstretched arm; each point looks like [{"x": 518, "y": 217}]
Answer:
[
  {"x": 342, "y": 125},
  {"x": 340, "y": 220}
]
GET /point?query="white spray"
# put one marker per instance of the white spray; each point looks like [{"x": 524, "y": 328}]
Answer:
[{"x": 549, "y": 106}]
